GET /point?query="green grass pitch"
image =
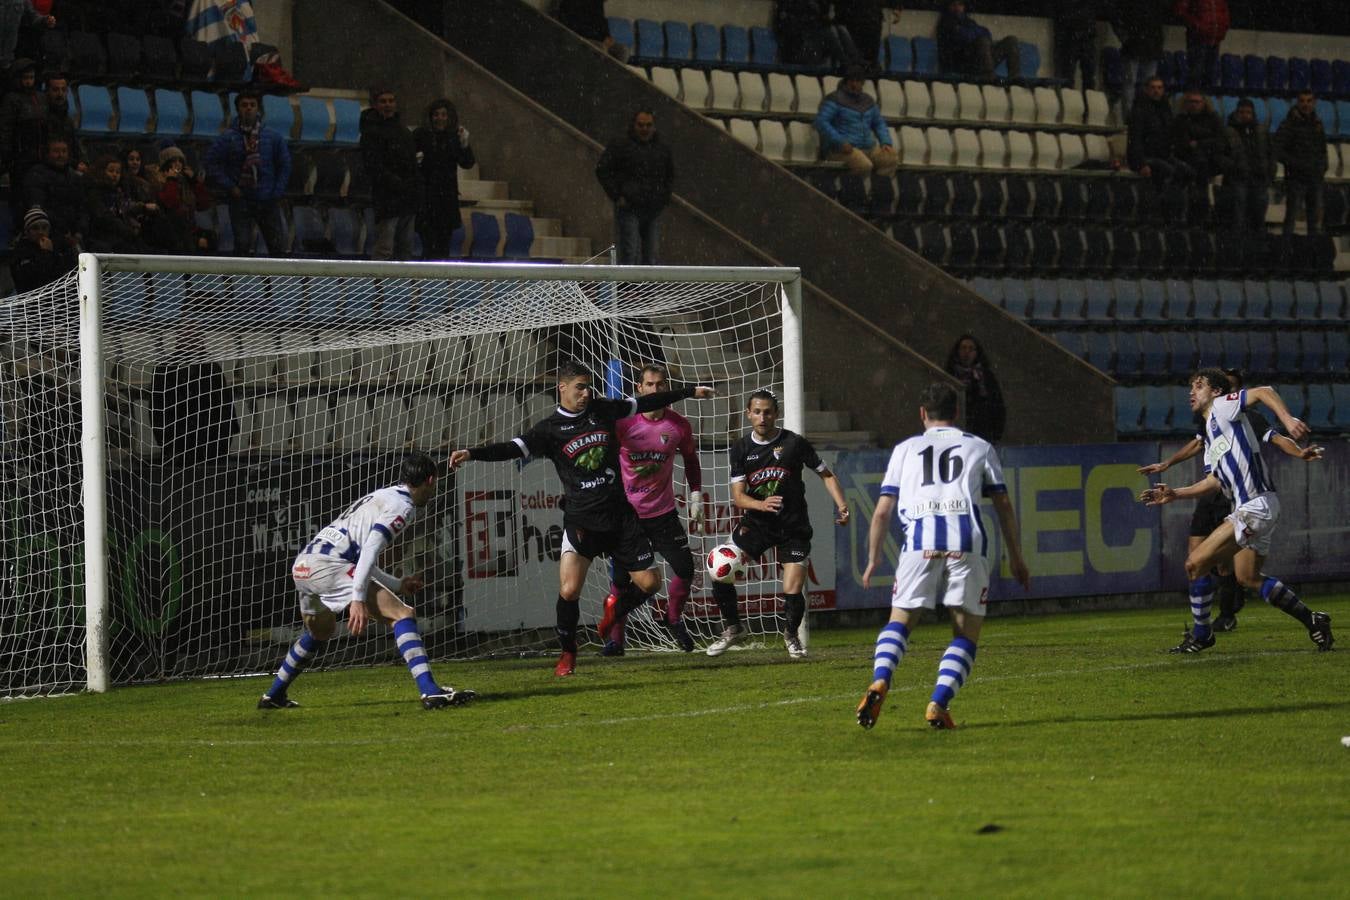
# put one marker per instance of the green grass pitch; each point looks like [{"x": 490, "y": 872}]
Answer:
[{"x": 1109, "y": 767}]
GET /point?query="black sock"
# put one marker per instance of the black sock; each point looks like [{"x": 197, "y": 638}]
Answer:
[
  {"x": 795, "y": 607},
  {"x": 725, "y": 595},
  {"x": 568, "y": 616},
  {"x": 630, "y": 598},
  {"x": 1228, "y": 593}
]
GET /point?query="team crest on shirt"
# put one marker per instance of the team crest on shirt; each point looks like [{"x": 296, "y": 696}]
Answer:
[
  {"x": 665, "y": 437},
  {"x": 778, "y": 452}
]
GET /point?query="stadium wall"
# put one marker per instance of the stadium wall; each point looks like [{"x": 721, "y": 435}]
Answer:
[{"x": 879, "y": 281}]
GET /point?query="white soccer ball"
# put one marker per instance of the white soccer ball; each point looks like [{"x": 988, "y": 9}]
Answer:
[{"x": 726, "y": 564}]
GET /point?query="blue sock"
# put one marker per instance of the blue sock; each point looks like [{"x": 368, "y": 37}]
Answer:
[
  {"x": 953, "y": 670},
  {"x": 297, "y": 658},
  {"x": 1202, "y": 598},
  {"x": 415, "y": 655},
  {"x": 1274, "y": 592},
  {"x": 891, "y": 646}
]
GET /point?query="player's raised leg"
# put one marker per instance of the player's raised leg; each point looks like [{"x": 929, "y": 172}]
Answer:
[{"x": 1247, "y": 567}]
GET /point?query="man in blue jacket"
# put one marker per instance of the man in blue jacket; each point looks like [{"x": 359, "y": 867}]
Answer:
[
  {"x": 251, "y": 164},
  {"x": 852, "y": 130}
]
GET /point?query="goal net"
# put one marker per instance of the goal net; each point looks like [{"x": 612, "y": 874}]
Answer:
[{"x": 245, "y": 404}]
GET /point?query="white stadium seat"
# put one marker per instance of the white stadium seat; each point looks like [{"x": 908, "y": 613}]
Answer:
[
  {"x": 773, "y": 140},
  {"x": 1020, "y": 150},
  {"x": 1074, "y": 108},
  {"x": 352, "y": 424},
  {"x": 993, "y": 149},
  {"x": 918, "y": 101},
  {"x": 913, "y": 146},
  {"x": 468, "y": 421},
  {"x": 725, "y": 93},
  {"x": 744, "y": 131},
  {"x": 1098, "y": 149},
  {"x": 313, "y": 424},
  {"x": 1072, "y": 151},
  {"x": 808, "y": 94},
  {"x": 391, "y": 422},
  {"x": 941, "y": 150},
  {"x": 967, "y": 147},
  {"x": 830, "y": 83},
  {"x": 944, "y": 100},
  {"x": 1098, "y": 108},
  {"x": 666, "y": 81},
  {"x": 272, "y": 424},
  {"x": 1047, "y": 105},
  {"x": 695, "y": 88},
  {"x": 243, "y": 414},
  {"x": 427, "y": 415},
  {"x": 804, "y": 141},
  {"x": 891, "y": 98},
  {"x": 1023, "y": 104},
  {"x": 972, "y": 102},
  {"x": 753, "y": 94},
  {"x": 782, "y": 96},
  {"x": 996, "y": 107},
  {"x": 1047, "y": 151}
]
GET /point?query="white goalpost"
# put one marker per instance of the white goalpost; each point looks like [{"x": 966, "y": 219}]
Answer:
[{"x": 174, "y": 429}]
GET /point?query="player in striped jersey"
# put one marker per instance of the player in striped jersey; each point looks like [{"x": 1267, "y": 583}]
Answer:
[
  {"x": 333, "y": 574},
  {"x": 1233, "y": 465},
  {"x": 1212, "y": 510},
  {"x": 934, "y": 483}
]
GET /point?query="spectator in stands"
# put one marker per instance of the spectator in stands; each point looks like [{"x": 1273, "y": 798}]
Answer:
[
  {"x": 14, "y": 14},
  {"x": 637, "y": 171},
  {"x": 1251, "y": 170},
  {"x": 967, "y": 48},
  {"x": 1206, "y": 24},
  {"x": 587, "y": 18},
  {"x": 852, "y": 130},
  {"x": 1301, "y": 144},
  {"x": 807, "y": 36},
  {"x": 862, "y": 19},
  {"x": 35, "y": 260},
  {"x": 442, "y": 150},
  {"x": 1139, "y": 26},
  {"x": 35, "y": 123},
  {"x": 251, "y": 164},
  {"x": 115, "y": 219},
  {"x": 1199, "y": 141},
  {"x": 135, "y": 176},
  {"x": 181, "y": 197},
  {"x": 59, "y": 190},
  {"x": 22, "y": 114},
  {"x": 1076, "y": 40},
  {"x": 1148, "y": 148},
  {"x": 985, "y": 413},
  {"x": 389, "y": 156}
]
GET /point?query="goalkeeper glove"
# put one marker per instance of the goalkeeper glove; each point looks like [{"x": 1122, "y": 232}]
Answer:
[{"x": 695, "y": 512}]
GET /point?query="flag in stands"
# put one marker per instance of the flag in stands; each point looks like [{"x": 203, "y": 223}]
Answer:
[{"x": 216, "y": 20}]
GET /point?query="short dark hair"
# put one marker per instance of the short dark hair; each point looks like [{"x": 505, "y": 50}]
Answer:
[
  {"x": 1214, "y": 377},
  {"x": 1246, "y": 101},
  {"x": 58, "y": 75},
  {"x": 855, "y": 71},
  {"x": 657, "y": 368},
  {"x": 1306, "y": 92},
  {"x": 1236, "y": 377},
  {"x": 939, "y": 401},
  {"x": 572, "y": 368},
  {"x": 247, "y": 95},
  {"x": 762, "y": 394},
  {"x": 418, "y": 468}
]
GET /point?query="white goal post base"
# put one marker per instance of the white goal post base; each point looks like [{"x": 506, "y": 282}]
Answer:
[{"x": 173, "y": 429}]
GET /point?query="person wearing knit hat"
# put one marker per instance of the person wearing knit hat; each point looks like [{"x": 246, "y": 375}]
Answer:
[
  {"x": 36, "y": 220},
  {"x": 181, "y": 196},
  {"x": 35, "y": 260}
]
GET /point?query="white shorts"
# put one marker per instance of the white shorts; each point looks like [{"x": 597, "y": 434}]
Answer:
[
  {"x": 322, "y": 581},
  {"x": 1254, "y": 523},
  {"x": 959, "y": 579}
]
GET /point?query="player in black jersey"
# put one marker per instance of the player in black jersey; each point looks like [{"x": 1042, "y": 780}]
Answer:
[
  {"x": 766, "y": 485},
  {"x": 1210, "y": 511},
  {"x": 597, "y": 520}
]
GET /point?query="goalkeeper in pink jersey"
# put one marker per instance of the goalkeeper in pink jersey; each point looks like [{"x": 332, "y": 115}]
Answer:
[{"x": 647, "y": 446}]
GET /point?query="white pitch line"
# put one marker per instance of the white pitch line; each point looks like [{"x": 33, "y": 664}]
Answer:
[{"x": 625, "y": 720}]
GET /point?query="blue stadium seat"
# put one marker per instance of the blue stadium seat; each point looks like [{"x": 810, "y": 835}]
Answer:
[
  {"x": 208, "y": 115},
  {"x": 1320, "y": 404},
  {"x": 1320, "y": 77},
  {"x": 1277, "y": 74},
  {"x": 899, "y": 55},
  {"x": 1279, "y": 108},
  {"x": 1307, "y": 299},
  {"x": 1342, "y": 118},
  {"x": 519, "y": 236},
  {"x": 735, "y": 44},
  {"x": 314, "y": 120},
  {"x": 1157, "y": 409},
  {"x": 651, "y": 43},
  {"x": 1155, "y": 352},
  {"x": 925, "y": 56},
  {"x": 487, "y": 234},
  {"x": 1230, "y": 73},
  {"x": 1101, "y": 350},
  {"x": 1340, "y": 400},
  {"x": 1340, "y": 77},
  {"x": 1332, "y": 300},
  {"x": 171, "y": 112},
  {"x": 95, "y": 109},
  {"x": 1263, "y": 357},
  {"x": 1206, "y": 308},
  {"x": 311, "y": 237},
  {"x": 679, "y": 41},
  {"x": 1182, "y": 419},
  {"x": 1338, "y": 351},
  {"x": 1044, "y": 301},
  {"x": 1227, "y": 106},
  {"x": 346, "y": 232},
  {"x": 1288, "y": 351},
  {"x": 278, "y": 115},
  {"x": 1152, "y": 302},
  {"x": 1231, "y": 300},
  {"x": 1236, "y": 352},
  {"x": 1030, "y": 59},
  {"x": 1314, "y": 346},
  {"x": 707, "y": 43},
  {"x": 1281, "y": 300},
  {"x": 1326, "y": 111},
  {"x": 1129, "y": 410},
  {"x": 763, "y": 47},
  {"x": 1257, "y": 299},
  {"x": 1254, "y": 77},
  {"x": 166, "y": 293},
  {"x": 457, "y": 243},
  {"x": 1180, "y": 301},
  {"x": 1097, "y": 302},
  {"x": 1126, "y": 292},
  {"x": 1299, "y": 75},
  {"x": 1183, "y": 353},
  {"x": 1210, "y": 346},
  {"x": 1016, "y": 297},
  {"x": 347, "y": 113},
  {"x": 1129, "y": 354},
  {"x": 224, "y": 231},
  {"x": 1295, "y": 396},
  {"x": 990, "y": 289},
  {"x": 621, "y": 30},
  {"x": 133, "y": 110},
  {"x": 1072, "y": 341}
]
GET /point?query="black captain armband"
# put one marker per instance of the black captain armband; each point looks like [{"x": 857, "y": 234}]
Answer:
[{"x": 496, "y": 452}]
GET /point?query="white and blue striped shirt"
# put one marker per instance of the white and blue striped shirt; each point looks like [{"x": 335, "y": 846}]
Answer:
[
  {"x": 1233, "y": 451},
  {"x": 937, "y": 479}
]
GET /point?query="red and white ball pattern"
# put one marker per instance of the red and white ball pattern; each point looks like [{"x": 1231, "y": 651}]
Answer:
[{"x": 726, "y": 564}]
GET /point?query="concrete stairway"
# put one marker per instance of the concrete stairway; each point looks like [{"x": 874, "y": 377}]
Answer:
[{"x": 832, "y": 429}]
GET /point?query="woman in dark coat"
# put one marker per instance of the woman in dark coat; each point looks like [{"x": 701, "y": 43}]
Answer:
[
  {"x": 985, "y": 413},
  {"x": 442, "y": 149}
]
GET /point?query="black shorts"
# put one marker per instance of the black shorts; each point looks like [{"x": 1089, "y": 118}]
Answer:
[
  {"x": 1209, "y": 514},
  {"x": 668, "y": 537},
  {"x": 756, "y": 539},
  {"x": 626, "y": 543}
]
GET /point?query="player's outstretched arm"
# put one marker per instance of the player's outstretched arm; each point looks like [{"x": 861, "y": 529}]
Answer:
[
  {"x": 1187, "y": 452},
  {"x": 876, "y": 533},
  {"x": 661, "y": 399},
  {"x": 1012, "y": 540},
  {"x": 487, "y": 453},
  {"x": 1311, "y": 453},
  {"x": 836, "y": 494},
  {"x": 1296, "y": 427},
  {"x": 1161, "y": 494}
]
